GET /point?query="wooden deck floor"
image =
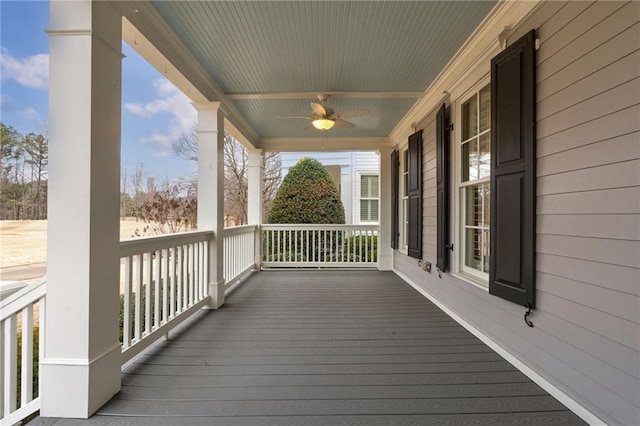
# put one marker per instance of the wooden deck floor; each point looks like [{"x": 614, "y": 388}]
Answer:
[{"x": 326, "y": 348}]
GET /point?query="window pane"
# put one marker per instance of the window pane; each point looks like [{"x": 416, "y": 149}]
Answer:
[
  {"x": 485, "y": 108},
  {"x": 484, "y": 161},
  {"x": 374, "y": 211},
  {"x": 405, "y": 220},
  {"x": 473, "y": 248},
  {"x": 364, "y": 187},
  {"x": 473, "y": 214},
  {"x": 373, "y": 185},
  {"x": 364, "y": 210},
  {"x": 485, "y": 250},
  {"x": 470, "y": 118},
  {"x": 486, "y": 193},
  {"x": 470, "y": 160}
]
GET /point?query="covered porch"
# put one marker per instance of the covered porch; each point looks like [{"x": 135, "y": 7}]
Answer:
[
  {"x": 336, "y": 346},
  {"x": 325, "y": 348}
]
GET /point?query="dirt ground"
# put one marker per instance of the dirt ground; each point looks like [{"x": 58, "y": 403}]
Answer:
[{"x": 24, "y": 242}]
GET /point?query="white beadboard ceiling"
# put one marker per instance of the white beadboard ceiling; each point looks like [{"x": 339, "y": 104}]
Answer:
[{"x": 270, "y": 58}]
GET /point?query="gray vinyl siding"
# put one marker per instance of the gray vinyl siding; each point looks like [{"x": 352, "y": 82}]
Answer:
[{"x": 586, "y": 339}]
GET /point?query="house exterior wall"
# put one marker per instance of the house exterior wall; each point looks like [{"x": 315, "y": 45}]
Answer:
[
  {"x": 586, "y": 339},
  {"x": 352, "y": 166}
]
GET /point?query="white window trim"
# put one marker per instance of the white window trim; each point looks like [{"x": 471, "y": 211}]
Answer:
[
  {"x": 403, "y": 195},
  {"x": 359, "y": 177},
  {"x": 459, "y": 270}
]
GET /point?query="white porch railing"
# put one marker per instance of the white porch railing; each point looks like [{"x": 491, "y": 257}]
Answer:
[
  {"x": 21, "y": 336},
  {"x": 165, "y": 282},
  {"x": 317, "y": 246},
  {"x": 239, "y": 252}
]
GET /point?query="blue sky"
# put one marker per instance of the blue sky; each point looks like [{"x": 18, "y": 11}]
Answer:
[{"x": 154, "y": 112}]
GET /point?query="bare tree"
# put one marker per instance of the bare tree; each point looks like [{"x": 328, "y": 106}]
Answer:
[
  {"x": 137, "y": 182},
  {"x": 166, "y": 210},
  {"x": 236, "y": 165}
]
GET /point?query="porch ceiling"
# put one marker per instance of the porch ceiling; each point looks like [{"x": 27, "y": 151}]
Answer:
[{"x": 271, "y": 58}]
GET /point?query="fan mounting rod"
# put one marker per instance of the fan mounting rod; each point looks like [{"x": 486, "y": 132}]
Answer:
[{"x": 322, "y": 97}]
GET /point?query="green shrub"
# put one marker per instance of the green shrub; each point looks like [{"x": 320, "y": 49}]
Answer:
[
  {"x": 361, "y": 248},
  {"x": 308, "y": 194}
]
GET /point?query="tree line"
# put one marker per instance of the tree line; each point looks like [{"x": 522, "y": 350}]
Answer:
[
  {"x": 23, "y": 174},
  {"x": 166, "y": 206}
]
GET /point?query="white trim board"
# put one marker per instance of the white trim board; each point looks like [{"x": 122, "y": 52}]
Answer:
[{"x": 558, "y": 394}]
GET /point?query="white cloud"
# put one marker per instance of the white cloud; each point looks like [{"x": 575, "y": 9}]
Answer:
[
  {"x": 170, "y": 101},
  {"x": 31, "y": 71},
  {"x": 31, "y": 114}
]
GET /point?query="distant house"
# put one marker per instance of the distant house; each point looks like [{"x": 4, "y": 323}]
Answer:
[{"x": 356, "y": 175}]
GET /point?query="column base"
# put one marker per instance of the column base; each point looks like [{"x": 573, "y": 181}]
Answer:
[
  {"x": 385, "y": 263},
  {"x": 216, "y": 295},
  {"x": 77, "y": 388}
]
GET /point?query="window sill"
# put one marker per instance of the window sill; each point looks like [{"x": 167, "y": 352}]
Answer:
[{"x": 483, "y": 285}]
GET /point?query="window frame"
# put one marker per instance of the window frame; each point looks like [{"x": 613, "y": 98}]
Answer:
[
  {"x": 458, "y": 199},
  {"x": 403, "y": 199}
]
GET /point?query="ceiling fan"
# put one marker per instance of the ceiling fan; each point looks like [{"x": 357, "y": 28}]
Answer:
[{"x": 324, "y": 117}]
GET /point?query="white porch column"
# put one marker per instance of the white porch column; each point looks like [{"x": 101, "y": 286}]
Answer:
[
  {"x": 255, "y": 181},
  {"x": 81, "y": 366},
  {"x": 255, "y": 202},
  {"x": 385, "y": 253},
  {"x": 211, "y": 192}
]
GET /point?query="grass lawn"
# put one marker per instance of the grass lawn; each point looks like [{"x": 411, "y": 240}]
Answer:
[{"x": 24, "y": 242}]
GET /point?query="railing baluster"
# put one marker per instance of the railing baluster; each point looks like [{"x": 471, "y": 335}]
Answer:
[
  {"x": 137, "y": 334},
  {"x": 26, "y": 375},
  {"x": 147, "y": 293},
  {"x": 165, "y": 284},
  {"x": 10, "y": 365},
  {"x": 185, "y": 277},
  {"x": 172, "y": 277},
  {"x": 156, "y": 289},
  {"x": 126, "y": 317},
  {"x": 192, "y": 273}
]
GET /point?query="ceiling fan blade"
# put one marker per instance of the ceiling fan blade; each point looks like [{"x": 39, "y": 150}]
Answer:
[
  {"x": 294, "y": 116},
  {"x": 318, "y": 109},
  {"x": 342, "y": 123},
  {"x": 349, "y": 114},
  {"x": 308, "y": 126}
]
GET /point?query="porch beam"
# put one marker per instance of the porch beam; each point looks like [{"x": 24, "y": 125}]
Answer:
[
  {"x": 210, "y": 130},
  {"x": 324, "y": 143},
  {"x": 80, "y": 370},
  {"x": 385, "y": 253}
]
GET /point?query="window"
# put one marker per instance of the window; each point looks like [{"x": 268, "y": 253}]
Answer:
[
  {"x": 405, "y": 199},
  {"x": 369, "y": 198},
  {"x": 474, "y": 153}
]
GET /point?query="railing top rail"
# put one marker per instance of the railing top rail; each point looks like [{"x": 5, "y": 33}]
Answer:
[
  {"x": 235, "y": 230},
  {"x": 23, "y": 298},
  {"x": 325, "y": 226},
  {"x": 133, "y": 246}
]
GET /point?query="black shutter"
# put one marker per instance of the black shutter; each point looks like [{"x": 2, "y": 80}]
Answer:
[
  {"x": 415, "y": 196},
  {"x": 513, "y": 172},
  {"x": 395, "y": 172},
  {"x": 442, "y": 185}
]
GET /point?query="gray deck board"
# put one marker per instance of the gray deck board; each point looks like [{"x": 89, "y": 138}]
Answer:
[{"x": 326, "y": 348}]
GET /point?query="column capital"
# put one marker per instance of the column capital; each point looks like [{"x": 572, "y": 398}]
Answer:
[
  {"x": 214, "y": 106},
  {"x": 385, "y": 150}
]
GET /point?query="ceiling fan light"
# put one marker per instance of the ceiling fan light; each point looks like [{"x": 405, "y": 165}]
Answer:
[{"x": 323, "y": 123}]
